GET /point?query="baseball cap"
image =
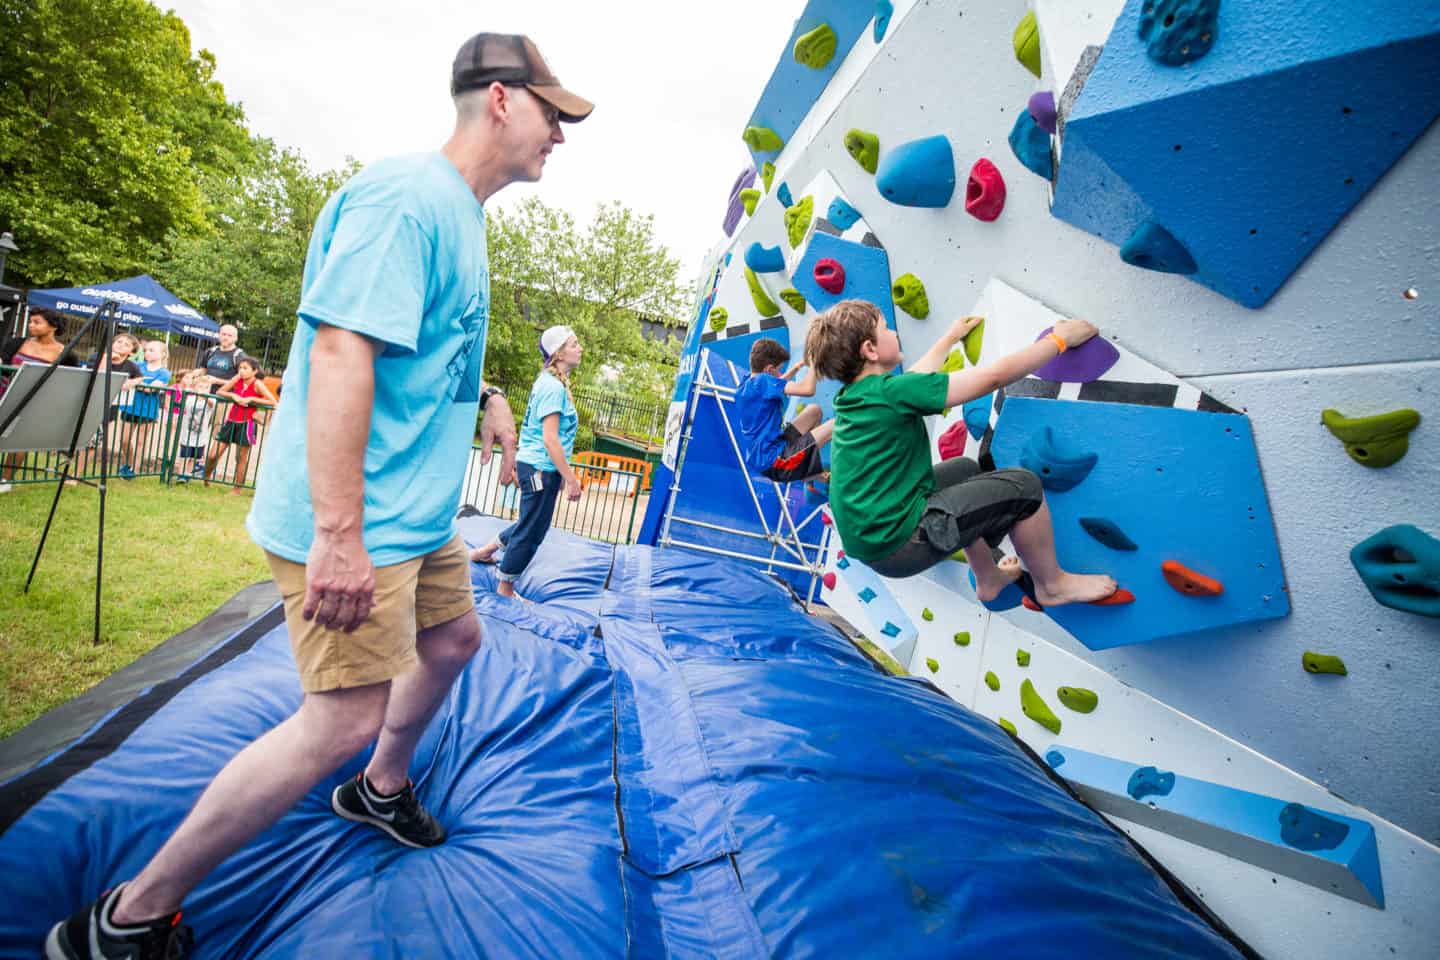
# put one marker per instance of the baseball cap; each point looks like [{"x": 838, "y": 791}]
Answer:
[
  {"x": 553, "y": 339},
  {"x": 513, "y": 59}
]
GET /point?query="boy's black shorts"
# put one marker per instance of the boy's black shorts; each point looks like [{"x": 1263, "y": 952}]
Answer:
[{"x": 800, "y": 459}]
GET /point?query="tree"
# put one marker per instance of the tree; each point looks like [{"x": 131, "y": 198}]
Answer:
[
  {"x": 543, "y": 270},
  {"x": 108, "y": 126}
]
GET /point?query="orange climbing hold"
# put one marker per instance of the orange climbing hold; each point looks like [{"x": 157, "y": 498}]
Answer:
[
  {"x": 1029, "y": 604},
  {"x": 1121, "y": 595},
  {"x": 1190, "y": 583},
  {"x": 829, "y": 581}
]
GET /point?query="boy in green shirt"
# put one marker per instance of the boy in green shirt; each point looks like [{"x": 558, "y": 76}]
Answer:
[{"x": 895, "y": 510}]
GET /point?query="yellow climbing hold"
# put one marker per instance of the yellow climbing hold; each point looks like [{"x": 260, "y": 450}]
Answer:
[
  {"x": 797, "y": 219},
  {"x": 962, "y": 639},
  {"x": 1022, "y": 657},
  {"x": 748, "y": 198},
  {"x": 933, "y": 664},
  {"x": 865, "y": 148},
  {"x": 718, "y": 316},
  {"x": 954, "y": 360},
  {"x": 992, "y": 681},
  {"x": 926, "y": 614},
  {"x": 1027, "y": 43},
  {"x": 767, "y": 174},
  {"x": 1078, "y": 698},
  {"x": 1037, "y": 709},
  {"x": 762, "y": 138},
  {"x": 763, "y": 303},
  {"x": 973, "y": 341},
  {"x": 1008, "y": 727},
  {"x": 816, "y": 48},
  {"x": 794, "y": 298},
  {"x": 909, "y": 295},
  {"x": 1376, "y": 441}
]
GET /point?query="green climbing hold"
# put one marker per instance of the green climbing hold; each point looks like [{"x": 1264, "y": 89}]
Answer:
[
  {"x": 933, "y": 664},
  {"x": 1008, "y": 727},
  {"x": 797, "y": 219},
  {"x": 959, "y": 555},
  {"x": 762, "y": 138},
  {"x": 816, "y": 48},
  {"x": 748, "y": 198},
  {"x": 1027, "y": 43},
  {"x": 926, "y": 614},
  {"x": 1376, "y": 441},
  {"x": 1078, "y": 698},
  {"x": 909, "y": 295},
  {"x": 865, "y": 148},
  {"x": 973, "y": 341},
  {"x": 1037, "y": 709},
  {"x": 767, "y": 174},
  {"x": 718, "y": 316},
  {"x": 794, "y": 298},
  {"x": 962, "y": 638},
  {"x": 1022, "y": 657},
  {"x": 763, "y": 303},
  {"x": 954, "y": 360},
  {"x": 1324, "y": 663},
  {"x": 992, "y": 681}
]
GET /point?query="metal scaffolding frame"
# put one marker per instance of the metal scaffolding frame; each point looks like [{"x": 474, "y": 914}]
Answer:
[{"x": 783, "y": 535}]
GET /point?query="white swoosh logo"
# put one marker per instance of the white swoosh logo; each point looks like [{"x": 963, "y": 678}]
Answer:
[{"x": 387, "y": 817}]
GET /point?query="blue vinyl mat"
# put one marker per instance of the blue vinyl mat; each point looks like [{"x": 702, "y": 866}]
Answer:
[{"x": 663, "y": 756}]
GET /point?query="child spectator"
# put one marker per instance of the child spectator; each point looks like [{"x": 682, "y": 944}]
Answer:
[
  {"x": 781, "y": 451},
  {"x": 144, "y": 408},
  {"x": 122, "y": 347},
  {"x": 195, "y": 411},
  {"x": 895, "y": 510},
  {"x": 547, "y": 438},
  {"x": 245, "y": 390}
]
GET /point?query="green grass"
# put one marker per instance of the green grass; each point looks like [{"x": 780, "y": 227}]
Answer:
[{"x": 172, "y": 555}]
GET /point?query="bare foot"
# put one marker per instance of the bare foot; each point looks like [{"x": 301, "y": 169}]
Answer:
[
  {"x": 1009, "y": 572},
  {"x": 236, "y": 491},
  {"x": 1075, "y": 588},
  {"x": 485, "y": 554}
]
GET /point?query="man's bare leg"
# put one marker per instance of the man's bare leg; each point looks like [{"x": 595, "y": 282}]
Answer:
[
  {"x": 1034, "y": 539},
  {"x": 414, "y": 696},
  {"x": 256, "y": 788}
]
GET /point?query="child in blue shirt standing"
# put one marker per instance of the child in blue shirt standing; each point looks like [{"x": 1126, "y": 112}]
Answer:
[
  {"x": 781, "y": 451},
  {"x": 547, "y": 438}
]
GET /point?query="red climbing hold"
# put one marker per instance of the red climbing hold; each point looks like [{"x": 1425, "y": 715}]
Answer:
[
  {"x": 825, "y": 518},
  {"x": 1029, "y": 604},
  {"x": 1121, "y": 595},
  {"x": 839, "y": 554},
  {"x": 985, "y": 191},
  {"x": 830, "y": 275},
  {"x": 1189, "y": 582},
  {"x": 952, "y": 442},
  {"x": 829, "y": 580}
]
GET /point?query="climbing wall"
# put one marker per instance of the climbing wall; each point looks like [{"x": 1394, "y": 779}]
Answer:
[{"x": 1020, "y": 161}]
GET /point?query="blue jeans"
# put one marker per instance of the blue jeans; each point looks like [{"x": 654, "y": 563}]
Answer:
[{"x": 539, "y": 489}]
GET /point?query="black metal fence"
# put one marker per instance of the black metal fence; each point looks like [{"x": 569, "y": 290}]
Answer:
[
  {"x": 611, "y": 502},
  {"x": 606, "y": 412}
]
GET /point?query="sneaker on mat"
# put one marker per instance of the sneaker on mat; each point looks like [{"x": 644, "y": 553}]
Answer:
[
  {"x": 91, "y": 935},
  {"x": 401, "y": 816}
]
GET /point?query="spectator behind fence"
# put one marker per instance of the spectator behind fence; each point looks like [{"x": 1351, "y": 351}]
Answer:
[
  {"x": 42, "y": 345},
  {"x": 122, "y": 348},
  {"x": 245, "y": 390},
  {"x": 222, "y": 361},
  {"x": 195, "y": 413},
  {"x": 140, "y": 415}
]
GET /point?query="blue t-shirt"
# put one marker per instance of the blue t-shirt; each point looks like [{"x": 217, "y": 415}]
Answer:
[
  {"x": 398, "y": 255},
  {"x": 760, "y": 401},
  {"x": 146, "y": 403},
  {"x": 546, "y": 397}
]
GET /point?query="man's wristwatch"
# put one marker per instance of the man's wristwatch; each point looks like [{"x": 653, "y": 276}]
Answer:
[{"x": 489, "y": 392}]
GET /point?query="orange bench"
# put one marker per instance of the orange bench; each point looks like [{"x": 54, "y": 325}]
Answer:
[{"x": 603, "y": 465}]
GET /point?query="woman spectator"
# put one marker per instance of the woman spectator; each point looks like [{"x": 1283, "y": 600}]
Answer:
[{"x": 41, "y": 346}]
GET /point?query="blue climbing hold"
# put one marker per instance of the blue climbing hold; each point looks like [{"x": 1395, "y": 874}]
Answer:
[
  {"x": 977, "y": 415},
  {"x": 1055, "y": 758},
  {"x": 1306, "y": 829},
  {"x": 1400, "y": 566},
  {"x": 1057, "y": 471},
  {"x": 841, "y": 215},
  {"x": 1152, "y": 247},
  {"x": 764, "y": 259},
  {"x": 1150, "y": 782},
  {"x": 843, "y": 563},
  {"x": 884, "y": 9},
  {"x": 890, "y": 630},
  {"x": 1107, "y": 533},
  {"x": 867, "y": 595},
  {"x": 784, "y": 194},
  {"x": 1178, "y": 32},
  {"x": 920, "y": 173},
  {"x": 1031, "y": 145}
]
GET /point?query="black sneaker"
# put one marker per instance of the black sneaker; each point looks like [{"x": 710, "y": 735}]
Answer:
[
  {"x": 401, "y": 816},
  {"x": 90, "y": 935}
]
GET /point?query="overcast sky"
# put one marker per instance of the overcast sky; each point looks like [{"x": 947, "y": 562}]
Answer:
[{"x": 673, "y": 81}]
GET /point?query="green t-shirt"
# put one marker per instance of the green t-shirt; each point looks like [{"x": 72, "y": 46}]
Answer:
[{"x": 880, "y": 468}]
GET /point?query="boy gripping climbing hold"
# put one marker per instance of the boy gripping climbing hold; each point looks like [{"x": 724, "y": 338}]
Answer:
[
  {"x": 897, "y": 512},
  {"x": 781, "y": 451}
]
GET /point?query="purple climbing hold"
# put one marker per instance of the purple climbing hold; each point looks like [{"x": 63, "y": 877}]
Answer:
[
  {"x": 1042, "y": 109},
  {"x": 737, "y": 207},
  {"x": 1081, "y": 364}
]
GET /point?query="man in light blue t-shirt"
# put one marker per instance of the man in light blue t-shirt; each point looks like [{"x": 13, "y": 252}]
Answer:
[{"x": 356, "y": 499}]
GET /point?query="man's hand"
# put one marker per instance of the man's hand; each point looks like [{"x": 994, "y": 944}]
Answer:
[
  {"x": 1075, "y": 332},
  {"x": 572, "y": 487},
  {"x": 339, "y": 581},
  {"x": 498, "y": 426}
]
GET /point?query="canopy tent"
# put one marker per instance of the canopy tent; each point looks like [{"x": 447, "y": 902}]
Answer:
[{"x": 142, "y": 301}]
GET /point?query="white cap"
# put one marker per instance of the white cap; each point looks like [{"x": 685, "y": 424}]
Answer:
[{"x": 553, "y": 339}]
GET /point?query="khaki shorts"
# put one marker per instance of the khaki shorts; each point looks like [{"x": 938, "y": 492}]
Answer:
[{"x": 409, "y": 597}]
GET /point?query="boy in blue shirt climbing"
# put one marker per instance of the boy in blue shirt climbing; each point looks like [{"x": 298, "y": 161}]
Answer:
[{"x": 781, "y": 451}]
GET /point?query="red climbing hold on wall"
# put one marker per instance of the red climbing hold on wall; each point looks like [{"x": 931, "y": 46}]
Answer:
[
  {"x": 825, "y": 519},
  {"x": 984, "y": 191},
  {"x": 1029, "y": 604},
  {"x": 830, "y": 275},
  {"x": 1190, "y": 583},
  {"x": 829, "y": 581},
  {"x": 1120, "y": 596}
]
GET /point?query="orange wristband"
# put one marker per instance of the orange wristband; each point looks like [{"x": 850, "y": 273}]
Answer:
[{"x": 1059, "y": 342}]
